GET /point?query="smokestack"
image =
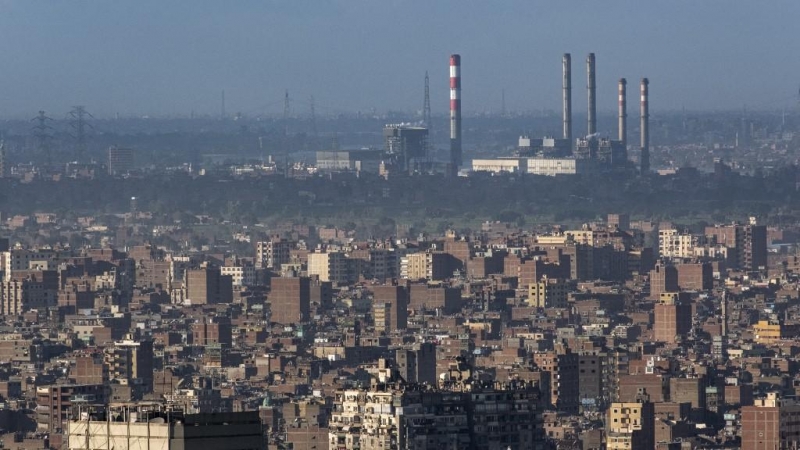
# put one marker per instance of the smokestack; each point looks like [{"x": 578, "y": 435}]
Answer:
[
  {"x": 623, "y": 112},
  {"x": 455, "y": 113},
  {"x": 645, "y": 127},
  {"x": 566, "y": 64},
  {"x": 590, "y": 87}
]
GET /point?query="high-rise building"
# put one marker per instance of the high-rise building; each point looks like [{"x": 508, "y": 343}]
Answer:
[
  {"x": 207, "y": 286},
  {"x": 131, "y": 362},
  {"x": 673, "y": 317},
  {"x": 216, "y": 331},
  {"x": 120, "y": 160},
  {"x": 290, "y": 299},
  {"x": 663, "y": 279},
  {"x": 674, "y": 244},
  {"x": 772, "y": 423},
  {"x": 631, "y": 426},
  {"x": 418, "y": 363},
  {"x": 272, "y": 253},
  {"x": 695, "y": 276},
  {"x": 390, "y": 308},
  {"x": 548, "y": 293}
]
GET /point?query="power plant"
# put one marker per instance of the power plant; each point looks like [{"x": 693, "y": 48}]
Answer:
[{"x": 591, "y": 152}]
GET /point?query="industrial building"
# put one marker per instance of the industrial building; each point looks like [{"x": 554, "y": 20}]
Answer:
[
  {"x": 366, "y": 160},
  {"x": 604, "y": 153},
  {"x": 534, "y": 166},
  {"x": 405, "y": 145}
]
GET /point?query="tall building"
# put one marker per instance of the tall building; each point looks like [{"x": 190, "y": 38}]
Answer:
[
  {"x": 131, "y": 362},
  {"x": 673, "y": 317},
  {"x": 631, "y": 426},
  {"x": 548, "y": 293},
  {"x": 663, "y": 279},
  {"x": 126, "y": 428},
  {"x": 418, "y": 363},
  {"x": 753, "y": 249},
  {"x": 120, "y": 160},
  {"x": 674, "y": 244},
  {"x": 290, "y": 299},
  {"x": 272, "y": 253},
  {"x": 390, "y": 308},
  {"x": 695, "y": 276},
  {"x": 772, "y": 423},
  {"x": 207, "y": 286},
  {"x": 216, "y": 331}
]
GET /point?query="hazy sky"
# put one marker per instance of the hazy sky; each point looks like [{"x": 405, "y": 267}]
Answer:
[{"x": 172, "y": 57}]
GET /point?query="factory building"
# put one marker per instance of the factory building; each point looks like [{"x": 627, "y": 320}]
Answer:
[
  {"x": 603, "y": 153},
  {"x": 350, "y": 160},
  {"x": 405, "y": 145},
  {"x": 534, "y": 166}
]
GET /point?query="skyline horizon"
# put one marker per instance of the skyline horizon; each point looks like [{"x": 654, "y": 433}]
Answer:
[{"x": 150, "y": 58}]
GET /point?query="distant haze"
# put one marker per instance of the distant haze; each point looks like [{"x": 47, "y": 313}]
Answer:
[{"x": 174, "y": 57}]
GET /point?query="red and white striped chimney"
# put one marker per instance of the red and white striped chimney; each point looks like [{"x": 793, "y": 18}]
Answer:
[
  {"x": 455, "y": 113},
  {"x": 645, "y": 126},
  {"x": 623, "y": 112}
]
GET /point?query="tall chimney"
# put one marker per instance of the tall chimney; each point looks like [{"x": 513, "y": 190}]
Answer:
[
  {"x": 566, "y": 64},
  {"x": 590, "y": 88},
  {"x": 645, "y": 127},
  {"x": 455, "y": 114},
  {"x": 623, "y": 112}
]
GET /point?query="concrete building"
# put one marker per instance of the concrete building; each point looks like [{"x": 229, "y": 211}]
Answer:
[
  {"x": 120, "y": 160},
  {"x": 663, "y": 279},
  {"x": 273, "y": 253},
  {"x": 335, "y": 267},
  {"x": 418, "y": 363},
  {"x": 630, "y": 426},
  {"x": 695, "y": 276},
  {"x": 405, "y": 145},
  {"x": 207, "y": 286},
  {"x": 131, "y": 429},
  {"x": 350, "y": 160},
  {"x": 672, "y": 316},
  {"x": 674, "y": 244},
  {"x": 131, "y": 363},
  {"x": 290, "y": 299},
  {"x": 390, "y": 308},
  {"x": 548, "y": 293},
  {"x": 460, "y": 414},
  {"x": 772, "y": 423}
]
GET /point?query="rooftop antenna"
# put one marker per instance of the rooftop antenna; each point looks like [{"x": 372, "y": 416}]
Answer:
[
  {"x": 426, "y": 106},
  {"x": 503, "y": 102},
  {"x": 42, "y": 132}
]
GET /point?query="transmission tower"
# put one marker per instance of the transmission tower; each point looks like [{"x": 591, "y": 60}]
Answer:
[
  {"x": 42, "y": 133},
  {"x": 426, "y": 108},
  {"x": 286, "y": 130},
  {"x": 79, "y": 125},
  {"x": 314, "y": 133}
]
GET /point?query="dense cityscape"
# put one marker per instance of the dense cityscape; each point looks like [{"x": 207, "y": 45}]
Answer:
[{"x": 298, "y": 276}]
